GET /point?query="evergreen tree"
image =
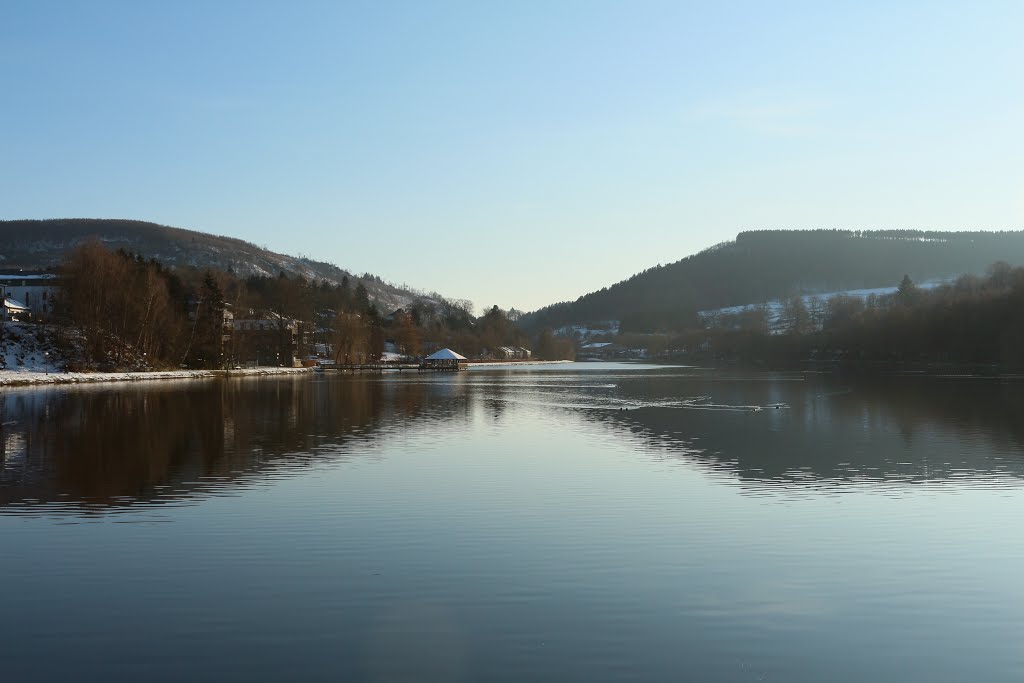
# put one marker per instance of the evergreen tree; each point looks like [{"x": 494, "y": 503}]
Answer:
[
  {"x": 362, "y": 299},
  {"x": 907, "y": 291}
]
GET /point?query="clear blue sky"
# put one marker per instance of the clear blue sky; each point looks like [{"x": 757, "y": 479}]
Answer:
[{"x": 514, "y": 153}]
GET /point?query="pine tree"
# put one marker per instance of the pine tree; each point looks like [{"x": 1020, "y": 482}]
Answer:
[{"x": 362, "y": 299}]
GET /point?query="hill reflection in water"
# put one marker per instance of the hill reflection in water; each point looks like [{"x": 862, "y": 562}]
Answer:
[
  {"x": 825, "y": 432},
  {"x": 566, "y": 524},
  {"x": 95, "y": 449}
]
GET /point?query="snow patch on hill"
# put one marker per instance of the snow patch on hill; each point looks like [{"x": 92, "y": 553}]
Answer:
[
  {"x": 585, "y": 332},
  {"x": 776, "y": 307}
]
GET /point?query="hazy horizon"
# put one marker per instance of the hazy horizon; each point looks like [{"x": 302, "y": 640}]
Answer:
[{"x": 516, "y": 156}]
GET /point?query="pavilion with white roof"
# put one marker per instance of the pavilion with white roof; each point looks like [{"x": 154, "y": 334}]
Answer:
[{"x": 445, "y": 359}]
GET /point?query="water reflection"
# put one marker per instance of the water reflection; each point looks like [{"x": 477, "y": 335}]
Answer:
[
  {"x": 95, "y": 449},
  {"x": 513, "y": 526},
  {"x": 100, "y": 447},
  {"x": 823, "y": 431}
]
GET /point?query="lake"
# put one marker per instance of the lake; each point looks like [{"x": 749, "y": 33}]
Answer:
[{"x": 585, "y": 522}]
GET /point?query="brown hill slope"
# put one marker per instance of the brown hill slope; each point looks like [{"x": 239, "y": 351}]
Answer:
[{"x": 33, "y": 244}]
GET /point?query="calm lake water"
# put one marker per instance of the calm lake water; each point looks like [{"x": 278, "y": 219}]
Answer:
[{"x": 560, "y": 523}]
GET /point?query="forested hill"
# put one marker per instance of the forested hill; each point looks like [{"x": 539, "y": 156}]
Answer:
[
  {"x": 33, "y": 244},
  {"x": 768, "y": 264}
]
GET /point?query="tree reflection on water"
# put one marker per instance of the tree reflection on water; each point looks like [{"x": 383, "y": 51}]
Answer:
[
  {"x": 120, "y": 444},
  {"x": 91, "y": 449}
]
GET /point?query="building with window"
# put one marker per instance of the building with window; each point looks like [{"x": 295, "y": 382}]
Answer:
[{"x": 33, "y": 293}]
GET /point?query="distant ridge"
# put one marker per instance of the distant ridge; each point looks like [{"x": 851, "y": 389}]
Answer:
[
  {"x": 33, "y": 244},
  {"x": 769, "y": 264}
]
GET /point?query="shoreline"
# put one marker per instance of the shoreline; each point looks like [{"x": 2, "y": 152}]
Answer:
[
  {"x": 9, "y": 378},
  {"x": 22, "y": 378},
  {"x": 508, "y": 363}
]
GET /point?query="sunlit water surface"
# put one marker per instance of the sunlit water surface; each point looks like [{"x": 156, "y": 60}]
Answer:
[{"x": 562, "y": 523}]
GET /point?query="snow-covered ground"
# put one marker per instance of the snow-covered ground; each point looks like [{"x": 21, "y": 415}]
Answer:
[
  {"x": 24, "y": 377},
  {"x": 775, "y": 307},
  {"x": 21, "y": 351},
  {"x": 585, "y": 332},
  {"x": 26, "y": 360}
]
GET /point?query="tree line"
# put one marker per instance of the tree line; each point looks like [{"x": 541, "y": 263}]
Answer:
[
  {"x": 769, "y": 264},
  {"x": 974, "y": 320},
  {"x": 124, "y": 310}
]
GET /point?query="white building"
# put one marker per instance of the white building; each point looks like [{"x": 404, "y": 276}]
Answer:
[{"x": 34, "y": 291}]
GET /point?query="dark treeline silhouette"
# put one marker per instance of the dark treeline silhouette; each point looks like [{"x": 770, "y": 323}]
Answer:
[
  {"x": 769, "y": 264},
  {"x": 974, "y": 320},
  {"x": 125, "y": 311}
]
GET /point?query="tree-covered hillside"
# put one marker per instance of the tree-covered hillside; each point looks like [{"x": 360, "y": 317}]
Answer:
[
  {"x": 32, "y": 244},
  {"x": 768, "y": 264}
]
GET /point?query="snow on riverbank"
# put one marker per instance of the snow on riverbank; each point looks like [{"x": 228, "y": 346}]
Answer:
[
  {"x": 22, "y": 351},
  {"x": 36, "y": 378},
  {"x": 24, "y": 377},
  {"x": 28, "y": 357}
]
